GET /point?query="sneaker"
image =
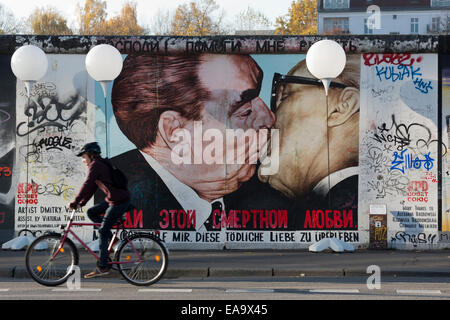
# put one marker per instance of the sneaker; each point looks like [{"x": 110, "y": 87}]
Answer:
[{"x": 98, "y": 272}]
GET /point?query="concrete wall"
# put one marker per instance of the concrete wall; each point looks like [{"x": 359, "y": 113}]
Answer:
[{"x": 387, "y": 135}]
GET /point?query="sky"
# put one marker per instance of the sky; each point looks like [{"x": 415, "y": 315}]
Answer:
[{"x": 147, "y": 8}]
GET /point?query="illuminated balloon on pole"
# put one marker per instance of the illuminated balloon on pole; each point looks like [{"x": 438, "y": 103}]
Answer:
[
  {"x": 326, "y": 60},
  {"x": 29, "y": 64},
  {"x": 104, "y": 63}
]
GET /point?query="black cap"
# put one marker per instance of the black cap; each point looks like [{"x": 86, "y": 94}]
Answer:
[{"x": 90, "y": 147}]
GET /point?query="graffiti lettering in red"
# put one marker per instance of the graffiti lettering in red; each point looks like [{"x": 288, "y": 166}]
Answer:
[
  {"x": 27, "y": 193},
  {"x": 328, "y": 219},
  {"x": 430, "y": 176},
  {"x": 418, "y": 186},
  {"x": 177, "y": 219},
  {"x": 134, "y": 221},
  {"x": 404, "y": 59},
  {"x": 256, "y": 219},
  {"x": 5, "y": 171},
  {"x": 233, "y": 219}
]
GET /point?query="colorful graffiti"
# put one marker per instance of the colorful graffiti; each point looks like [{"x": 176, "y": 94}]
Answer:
[
  {"x": 400, "y": 135},
  {"x": 50, "y": 125}
]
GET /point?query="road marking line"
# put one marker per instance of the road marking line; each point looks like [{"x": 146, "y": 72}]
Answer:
[
  {"x": 166, "y": 290},
  {"x": 76, "y": 290},
  {"x": 333, "y": 291},
  {"x": 249, "y": 290},
  {"x": 419, "y": 292},
  {"x": 4, "y": 290}
]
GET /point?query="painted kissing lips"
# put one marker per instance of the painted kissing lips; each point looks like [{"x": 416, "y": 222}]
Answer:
[{"x": 265, "y": 149}]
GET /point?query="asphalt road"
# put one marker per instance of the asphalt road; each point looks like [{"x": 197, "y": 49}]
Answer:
[
  {"x": 235, "y": 289},
  {"x": 274, "y": 263}
]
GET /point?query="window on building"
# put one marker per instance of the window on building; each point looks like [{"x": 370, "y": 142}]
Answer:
[
  {"x": 414, "y": 25},
  {"x": 368, "y": 26},
  {"x": 435, "y": 24},
  {"x": 336, "y": 25},
  {"x": 336, "y": 4},
  {"x": 440, "y": 3}
]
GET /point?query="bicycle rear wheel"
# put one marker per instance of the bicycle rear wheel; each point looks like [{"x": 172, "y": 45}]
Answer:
[
  {"x": 48, "y": 263},
  {"x": 142, "y": 259}
]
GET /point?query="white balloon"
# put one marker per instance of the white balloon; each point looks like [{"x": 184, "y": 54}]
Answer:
[
  {"x": 29, "y": 63},
  {"x": 325, "y": 59},
  {"x": 104, "y": 62}
]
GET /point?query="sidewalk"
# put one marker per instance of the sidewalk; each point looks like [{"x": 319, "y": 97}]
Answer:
[{"x": 235, "y": 263}]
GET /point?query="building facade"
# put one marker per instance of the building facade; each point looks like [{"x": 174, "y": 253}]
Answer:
[{"x": 383, "y": 16}]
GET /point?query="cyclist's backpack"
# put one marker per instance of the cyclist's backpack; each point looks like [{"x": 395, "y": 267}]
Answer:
[{"x": 118, "y": 177}]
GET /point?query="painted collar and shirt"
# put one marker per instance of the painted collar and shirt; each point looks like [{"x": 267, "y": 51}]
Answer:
[
  {"x": 185, "y": 195},
  {"x": 321, "y": 189}
]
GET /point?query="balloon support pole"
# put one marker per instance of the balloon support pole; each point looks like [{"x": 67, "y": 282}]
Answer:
[
  {"x": 326, "y": 84},
  {"x": 29, "y": 86},
  {"x": 104, "y": 85}
]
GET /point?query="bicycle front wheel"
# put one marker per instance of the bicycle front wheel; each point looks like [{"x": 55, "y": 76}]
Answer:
[
  {"x": 49, "y": 263},
  {"x": 142, "y": 259}
]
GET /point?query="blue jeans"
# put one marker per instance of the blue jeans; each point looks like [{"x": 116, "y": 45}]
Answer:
[{"x": 111, "y": 217}]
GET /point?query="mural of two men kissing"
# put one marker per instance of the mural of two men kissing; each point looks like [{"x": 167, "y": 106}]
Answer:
[{"x": 195, "y": 108}]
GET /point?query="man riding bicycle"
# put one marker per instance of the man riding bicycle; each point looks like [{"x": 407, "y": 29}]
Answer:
[{"x": 116, "y": 202}]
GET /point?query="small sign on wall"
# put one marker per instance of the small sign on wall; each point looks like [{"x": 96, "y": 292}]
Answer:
[
  {"x": 378, "y": 226},
  {"x": 378, "y": 209}
]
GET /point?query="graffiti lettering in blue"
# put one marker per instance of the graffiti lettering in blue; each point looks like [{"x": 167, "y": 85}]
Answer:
[
  {"x": 422, "y": 86},
  {"x": 403, "y": 162},
  {"x": 399, "y": 72},
  {"x": 402, "y": 72}
]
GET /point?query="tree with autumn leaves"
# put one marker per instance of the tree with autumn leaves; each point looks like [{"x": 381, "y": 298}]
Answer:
[
  {"x": 48, "y": 21},
  {"x": 199, "y": 18},
  {"x": 193, "y": 18},
  {"x": 91, "y": 18},
  {"x": 300, "y": 19}
]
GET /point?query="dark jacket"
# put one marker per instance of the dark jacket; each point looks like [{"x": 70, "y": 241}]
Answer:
[{"x": 100, "y": 176}]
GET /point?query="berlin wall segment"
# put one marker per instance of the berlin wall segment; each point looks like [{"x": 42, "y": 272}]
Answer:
[{"x": 392, "y": 162}]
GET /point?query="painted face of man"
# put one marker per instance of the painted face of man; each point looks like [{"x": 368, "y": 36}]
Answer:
[
  {"x": 235, "y": 83},
  {"x": 234, "y": 107},
  {"x": 301, "y": 120},
  {"x": 308, "y": 127}
]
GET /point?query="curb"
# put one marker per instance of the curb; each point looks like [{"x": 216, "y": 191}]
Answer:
[
  {"x": 307, "y": 273},
  {"x": 241, "y": 272},
  {"x": 7, "y": 273},
  {"x": 207, "y": 272}
]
